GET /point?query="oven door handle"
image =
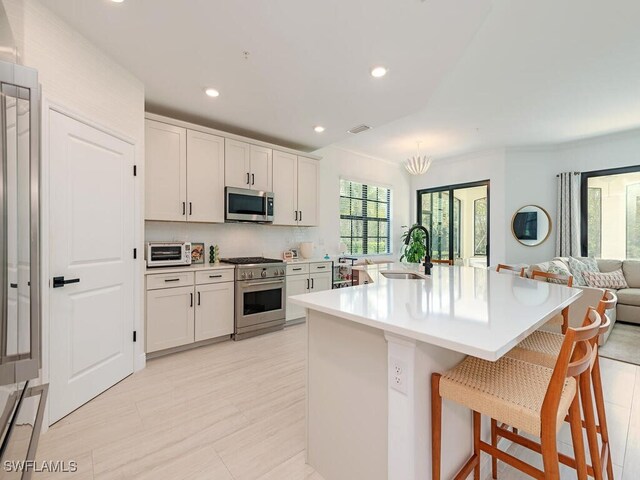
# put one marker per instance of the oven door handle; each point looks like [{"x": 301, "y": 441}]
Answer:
[{"x": 259, "y": 284}]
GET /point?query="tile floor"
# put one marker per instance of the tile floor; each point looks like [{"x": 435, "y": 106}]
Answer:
[{"x": 235, "y": 411}]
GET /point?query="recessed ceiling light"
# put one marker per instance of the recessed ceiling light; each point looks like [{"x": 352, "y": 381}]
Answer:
[
  {"x": 117, "y": 1},
  {"x": 318, "y": 129},
  {"x": 378, "y": 72},
  {"x": 212, "y": 92}
]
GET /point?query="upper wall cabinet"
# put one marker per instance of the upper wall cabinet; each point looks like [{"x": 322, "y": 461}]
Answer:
[
  {"x": 295, "y": 187},
  {"x": 184, "y": 174},
  {"x": 205, "y": 177},
  {"x": 165, "y": 172},
  {"x": 248, "y": 166}
]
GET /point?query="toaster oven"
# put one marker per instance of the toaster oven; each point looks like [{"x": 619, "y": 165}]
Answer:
[{"x": 167, "y": 254}]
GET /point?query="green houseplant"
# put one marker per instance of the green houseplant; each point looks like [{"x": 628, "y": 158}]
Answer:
[{"x": 415, "y": 251}]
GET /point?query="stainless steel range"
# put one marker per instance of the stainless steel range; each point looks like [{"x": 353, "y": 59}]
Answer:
[{"x": 260, "y": 295}]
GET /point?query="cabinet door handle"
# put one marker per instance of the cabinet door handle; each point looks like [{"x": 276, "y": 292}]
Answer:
[
  {"x": 297, "y": 269},
  {"x": 191, "y": 300},
  {"x": 312, "y": 284},
  {"x": 300, "y": 215},
  {"x": 184, "y": 208},
  {"x": 190, "y": 209},
  {"x": 253, "y": 179},
  {"x": 296, "y": 215},
  {"x": 307, "y": 284},
  {"x": 171, "y": 279},
  {"x": 321, "y": 266},
  {"x": 215, "y": 276},
  {"x": 198, "y": 298},
  {"x": 248, "y": 178}
]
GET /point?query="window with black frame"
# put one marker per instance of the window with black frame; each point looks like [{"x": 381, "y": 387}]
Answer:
[{"x": 365, "y": 217}]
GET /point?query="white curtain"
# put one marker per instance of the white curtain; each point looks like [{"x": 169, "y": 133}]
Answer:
[{"x": 568, "y": 221}]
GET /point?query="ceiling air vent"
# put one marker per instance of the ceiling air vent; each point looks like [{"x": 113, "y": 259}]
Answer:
[{"x": 359, "y": 129}]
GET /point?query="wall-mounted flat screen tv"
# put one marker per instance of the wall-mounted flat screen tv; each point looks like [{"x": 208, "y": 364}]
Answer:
[{"x": 525, "y": 225}]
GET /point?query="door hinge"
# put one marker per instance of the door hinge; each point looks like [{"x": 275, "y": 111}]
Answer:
[
  {"x": 135, "y": 170},
  {"x": 135, "y": 336},
  {"x": 135, "y": 253}
]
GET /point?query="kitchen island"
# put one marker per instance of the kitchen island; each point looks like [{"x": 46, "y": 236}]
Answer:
[{"x": 372, "y": 349}]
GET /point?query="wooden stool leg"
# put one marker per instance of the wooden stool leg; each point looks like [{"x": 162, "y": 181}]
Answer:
[
  {"x": 590, "y": 424},
  {"x": 436, "y": 426},
  {"x": 494, "y": 443},
  {"x": 477, "y": 424},
  {"x": 576, "y": 438},
  {"x": 602, "y": 416}
]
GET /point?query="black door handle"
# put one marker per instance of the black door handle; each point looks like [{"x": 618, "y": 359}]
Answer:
[
  {"x": 296, "y": 215},
  {"x": 198, "y": 298},
  {"x": 253, "y": 179},
  {"x": 61, "y": 282},
  {"x": 300, "y": 215},
  {"x": 190, "y": 209},
  {"x": 312, "y": 284},
  {"x": 248, "y": 174},
  {"x": 191, "y": 299}
]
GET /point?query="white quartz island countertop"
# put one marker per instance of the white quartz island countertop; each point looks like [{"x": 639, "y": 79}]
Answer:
[{"x": 474, "y": 311}]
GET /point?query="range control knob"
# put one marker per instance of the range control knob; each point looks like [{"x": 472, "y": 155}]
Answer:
[
  {"x": 244, "y": 275},
  {"x": 250, "y": 274},
  {"x": 264, "y": 274},
  {"x": 281, "y": 272}
]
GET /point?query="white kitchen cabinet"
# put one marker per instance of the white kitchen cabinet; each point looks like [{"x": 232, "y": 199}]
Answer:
[
  {"x": 305, "y": 278},
  {"x": 214, "y": 310},
  {"x": 248, "y": 166},
  {"x": 261, "y": 168},
  {"x": 308, "y": 175},
  {"x": 237, "y": 164},
  {"x": 165, "y": 172},
  {"x": 285, "y": 188},
  {"x": 320, "y": 281},
  {"x": 205, "y": 177},
  {"x": 296, "y": 285},
  {"x": 295, "y": 186},
  {"x": 169, "y": 318}
]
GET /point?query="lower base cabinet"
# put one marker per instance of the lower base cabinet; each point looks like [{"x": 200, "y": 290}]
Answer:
[
  {"x": 169, "y": 318},
  {"x": 306, "y": 278},
  {"x": 214, "y": 310},
  {"x": 190, "y": 311}
]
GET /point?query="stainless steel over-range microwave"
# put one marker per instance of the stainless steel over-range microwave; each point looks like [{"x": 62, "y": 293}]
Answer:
[{"x": 244, "y": 205}]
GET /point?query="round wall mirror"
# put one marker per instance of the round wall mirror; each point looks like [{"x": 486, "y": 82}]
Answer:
[{"x": 531, "y": 225}]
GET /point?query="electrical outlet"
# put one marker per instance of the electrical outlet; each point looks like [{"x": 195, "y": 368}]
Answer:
[{"x": 398, "y": 375}]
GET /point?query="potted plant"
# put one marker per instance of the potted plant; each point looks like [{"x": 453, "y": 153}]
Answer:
[{"x": 415, "y": 251}]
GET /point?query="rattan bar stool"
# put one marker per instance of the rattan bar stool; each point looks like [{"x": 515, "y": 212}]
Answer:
[
  {"x": 442, "y": 262},
  {"x": 530, "y": 397},
  {"x": 562, "y": 319},
  {"x": 510, "y": 268},
  {"x": 543, "y": 348}
]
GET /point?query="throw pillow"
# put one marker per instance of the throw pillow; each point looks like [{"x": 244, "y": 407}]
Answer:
[
  {"x": 560, "y": 270},
  {"x": 578, "y": 266},
  {"x": 606, "y": 280}
]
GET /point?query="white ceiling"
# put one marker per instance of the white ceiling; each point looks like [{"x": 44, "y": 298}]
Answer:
[
  {"x": 536, "y": 72},
  {"x": 309, "y": 62}
]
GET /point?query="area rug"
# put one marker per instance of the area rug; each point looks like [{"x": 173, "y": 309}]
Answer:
[{"x": 623, "y": 344}]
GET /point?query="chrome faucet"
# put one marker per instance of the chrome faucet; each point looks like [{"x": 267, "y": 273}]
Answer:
[{"x": 427, "y": 245}]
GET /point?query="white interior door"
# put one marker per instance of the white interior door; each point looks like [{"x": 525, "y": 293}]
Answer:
[{"x": 91, "y": 240}]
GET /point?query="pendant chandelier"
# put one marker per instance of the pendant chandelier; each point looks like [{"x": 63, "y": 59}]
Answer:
[{"x": 418, "y": 165}]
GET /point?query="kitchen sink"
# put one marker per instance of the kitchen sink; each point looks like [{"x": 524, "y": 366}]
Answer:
[{"x": 402, "y": 275}]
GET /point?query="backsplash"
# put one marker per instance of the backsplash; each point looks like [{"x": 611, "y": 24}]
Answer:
[{"x": 241, "y": 239}]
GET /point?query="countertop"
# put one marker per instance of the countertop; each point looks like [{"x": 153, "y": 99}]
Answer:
[
  {"x": 475, "y": 311},
  {"x": 188, "y": 268}
]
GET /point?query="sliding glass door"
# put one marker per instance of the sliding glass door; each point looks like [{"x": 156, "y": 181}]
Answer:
[{"x": 457, "y": 217}]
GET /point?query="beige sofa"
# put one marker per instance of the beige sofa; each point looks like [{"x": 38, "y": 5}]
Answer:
[{"x": 628, "y": 308}]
